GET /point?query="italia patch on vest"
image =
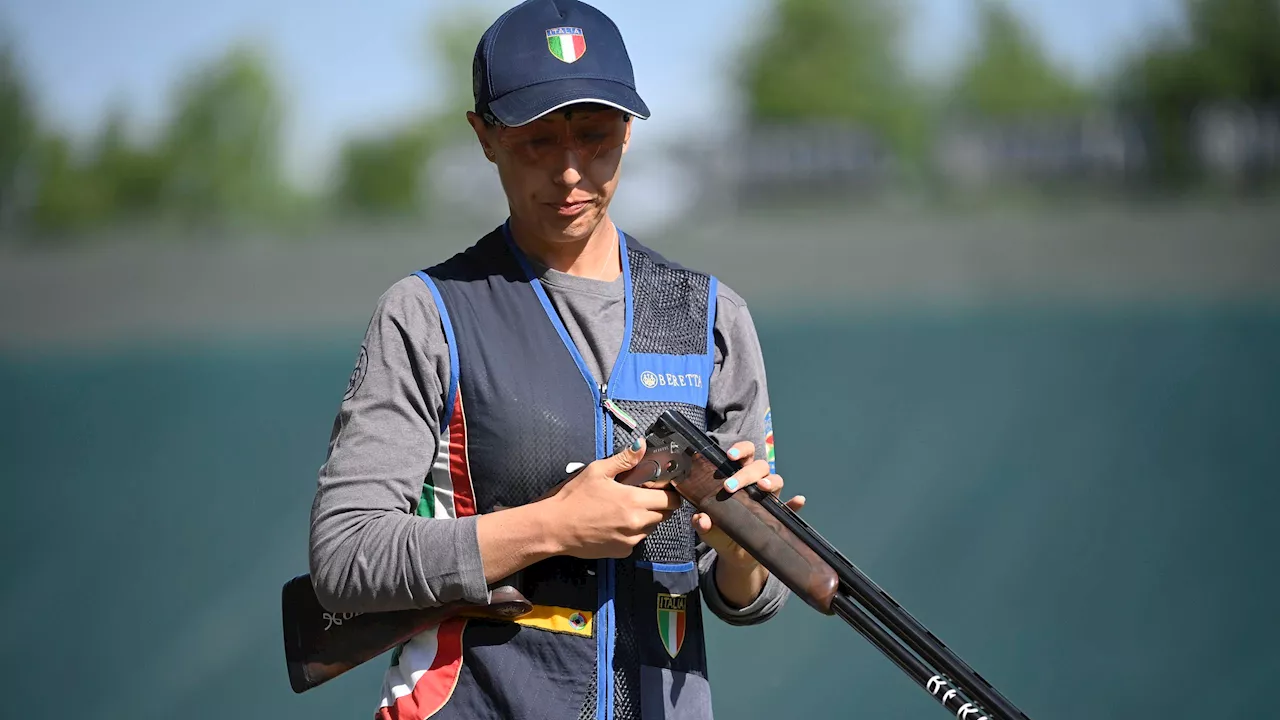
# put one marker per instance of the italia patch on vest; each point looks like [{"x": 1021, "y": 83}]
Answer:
[{"x": 671, "y": 621}]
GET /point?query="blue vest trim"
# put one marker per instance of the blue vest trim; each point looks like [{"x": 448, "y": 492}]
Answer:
[
  {"x": 665, "y": 567},
  {"x": 453, "y": 346},
  {"x": 604, "y": 701},
  {"x": 711, "y": 317},
  {"x": 602, "y": 631}
]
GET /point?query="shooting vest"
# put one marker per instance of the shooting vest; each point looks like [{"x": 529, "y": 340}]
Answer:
[{"x": 614, "y": 640}]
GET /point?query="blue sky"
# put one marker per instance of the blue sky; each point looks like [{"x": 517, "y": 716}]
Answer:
[{"x": 351, "y": 66}]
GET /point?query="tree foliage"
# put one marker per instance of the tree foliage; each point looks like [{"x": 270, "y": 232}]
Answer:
[
  {"x": 221, "y": 152},
  {"x": 1009, "y": 74},
  {"x": 382, "y": 174},
  {"x": 451, "y": 44},
  {"x": 112, "y": 180},
  {"x": 17, "y": 132},
  {"x": 385, "y": 173},
  {"x": 68, "y": 198},
  {"x": 834, "y": 61},
  {"x": 1227, "y": 51},
  {"x": 216, "y": 160},
  {"x": 131, "y": 176}
]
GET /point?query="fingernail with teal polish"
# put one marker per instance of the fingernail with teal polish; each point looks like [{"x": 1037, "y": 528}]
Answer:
[
  {"x": 635, "y": 445},
  {"x": 732, "y": 484},
  {"x": 734, "y": 453}
]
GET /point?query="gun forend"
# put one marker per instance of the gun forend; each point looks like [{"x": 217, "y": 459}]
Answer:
[{"x": 762, "y": 535}]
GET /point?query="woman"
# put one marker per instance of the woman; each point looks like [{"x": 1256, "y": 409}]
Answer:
[{"x": 552, "y": 342}]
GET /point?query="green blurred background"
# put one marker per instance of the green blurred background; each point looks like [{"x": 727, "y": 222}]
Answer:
[{"x": 1015, "y": 267}]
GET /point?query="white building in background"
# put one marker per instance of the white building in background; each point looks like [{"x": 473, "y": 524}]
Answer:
[
  {"x": 1095, "y": 147},
  {"x": 811, "y": 161},
  {"x": 1236, "y": 142},
  {"x": 804, "y": 158}
]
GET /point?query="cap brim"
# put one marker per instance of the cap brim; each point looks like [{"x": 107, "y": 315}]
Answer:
[{"x": 525, "y": 105}]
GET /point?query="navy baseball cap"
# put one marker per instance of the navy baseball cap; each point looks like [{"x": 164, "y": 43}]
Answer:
[{"x": 545, "y": 54}]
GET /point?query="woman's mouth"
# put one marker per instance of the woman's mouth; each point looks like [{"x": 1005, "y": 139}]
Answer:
[{"x": 570, "y": 209}]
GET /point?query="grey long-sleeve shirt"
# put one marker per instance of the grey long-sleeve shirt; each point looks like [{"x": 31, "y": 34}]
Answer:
[{"x": 371, "y": 553}]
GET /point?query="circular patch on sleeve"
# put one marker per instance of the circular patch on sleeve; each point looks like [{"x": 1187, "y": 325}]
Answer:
[{"x": 357, "y": 374}]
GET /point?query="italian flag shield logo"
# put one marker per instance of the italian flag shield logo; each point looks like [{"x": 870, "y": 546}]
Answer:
[
  {"x": 567, "y": 43},
  {"x": 671, "y": 622}
]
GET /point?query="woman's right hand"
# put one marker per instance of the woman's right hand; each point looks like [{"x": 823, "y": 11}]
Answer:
[{"x": 594, "y": 516}]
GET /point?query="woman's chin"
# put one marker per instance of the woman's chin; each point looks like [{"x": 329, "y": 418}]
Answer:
[{"x": 573, "y": 228}]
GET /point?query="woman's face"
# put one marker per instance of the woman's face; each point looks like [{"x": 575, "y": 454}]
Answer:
[{"x": 559, "y": 172}]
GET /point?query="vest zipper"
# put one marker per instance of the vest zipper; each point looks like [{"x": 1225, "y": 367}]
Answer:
[{"x": 618, "y": 413}]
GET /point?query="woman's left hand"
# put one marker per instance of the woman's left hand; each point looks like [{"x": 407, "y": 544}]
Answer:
[{"x": 753, "y": 472}]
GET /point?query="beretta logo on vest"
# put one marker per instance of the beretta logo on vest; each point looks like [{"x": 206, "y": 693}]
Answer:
[{"x": 651, "y": 379}]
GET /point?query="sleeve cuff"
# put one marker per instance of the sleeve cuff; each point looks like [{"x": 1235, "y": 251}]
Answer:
[
  {"x": 448, "y": 564},
  {"x": 471, "y": 579},
  {"x": 767, "y": 604}
]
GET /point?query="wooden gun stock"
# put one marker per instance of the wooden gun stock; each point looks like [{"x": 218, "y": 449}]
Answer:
[{"x": 320, "y": 645}]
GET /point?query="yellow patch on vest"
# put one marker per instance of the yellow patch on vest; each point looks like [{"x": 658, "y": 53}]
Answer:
[{"x": 558, "y": 619}]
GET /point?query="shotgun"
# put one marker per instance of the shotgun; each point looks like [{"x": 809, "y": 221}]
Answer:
[{"x": 320, "y": 645}]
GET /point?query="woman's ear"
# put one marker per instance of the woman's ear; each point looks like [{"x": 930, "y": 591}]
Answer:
[{"x": 482, "y": 134}]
